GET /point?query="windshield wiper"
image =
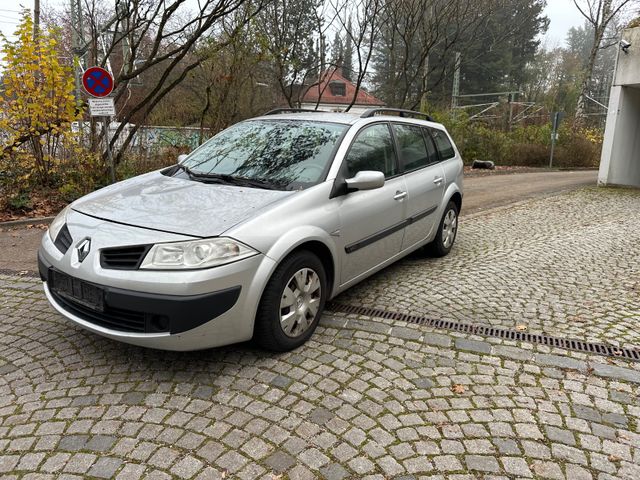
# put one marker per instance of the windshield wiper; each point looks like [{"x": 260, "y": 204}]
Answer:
[
  {"x": 186, "y": 169},
  {"x": 231, "y": 180}
]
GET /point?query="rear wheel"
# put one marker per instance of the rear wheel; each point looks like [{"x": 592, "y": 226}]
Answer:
[
  {"x": 292, "y": 303},
  {"x": 447, "y": 231}
]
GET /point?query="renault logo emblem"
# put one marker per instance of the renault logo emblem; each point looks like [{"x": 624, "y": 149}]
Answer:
[{"x": 83, "y": 249}]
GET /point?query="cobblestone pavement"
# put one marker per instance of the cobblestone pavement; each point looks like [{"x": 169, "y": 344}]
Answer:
[
  {"x": 568, "y": 265},
  {"x": 365, "y": 398}
]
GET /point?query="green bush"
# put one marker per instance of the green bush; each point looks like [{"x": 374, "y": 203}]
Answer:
[
  {"x": 523, "y": 145},
  {"x": 579, "y": 152},
  {"x": 529, "y": 155}
]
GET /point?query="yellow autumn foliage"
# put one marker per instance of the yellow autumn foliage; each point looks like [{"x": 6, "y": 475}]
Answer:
[{"x": 37, "y": 104}]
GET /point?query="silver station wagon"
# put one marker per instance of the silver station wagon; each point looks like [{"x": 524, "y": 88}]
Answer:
[{"x": 249, "y": 235}]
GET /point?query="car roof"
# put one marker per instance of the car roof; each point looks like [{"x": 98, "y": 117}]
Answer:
[{"x": 343, "y": 118}]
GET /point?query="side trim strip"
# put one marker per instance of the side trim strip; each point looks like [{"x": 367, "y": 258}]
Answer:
[
  {"x": 421, "y": 215},
  {"x": 388, "y": 231}
]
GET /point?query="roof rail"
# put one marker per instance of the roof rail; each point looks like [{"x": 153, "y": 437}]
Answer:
[
  {"x": 372, "y": 112},
  {"x": 292, "y": 110}
]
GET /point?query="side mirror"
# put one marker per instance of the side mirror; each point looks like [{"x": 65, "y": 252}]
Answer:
[
  {"x": 182, "y": 157},
  {"x": 366, "y": 180}
]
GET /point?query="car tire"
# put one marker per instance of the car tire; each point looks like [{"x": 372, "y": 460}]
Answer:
[
  {"x": 282, "y": 327},
  {"x": 446, "y": 234}
]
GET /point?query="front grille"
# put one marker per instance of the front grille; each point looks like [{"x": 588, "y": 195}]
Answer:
[
  {"x": 112, "y": 318},
  {"x": 63, "y": 240},
  {"x": 123, "y": 258}
]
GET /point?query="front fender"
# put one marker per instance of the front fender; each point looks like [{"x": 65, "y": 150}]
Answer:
[{"x": 294, "y": 239}]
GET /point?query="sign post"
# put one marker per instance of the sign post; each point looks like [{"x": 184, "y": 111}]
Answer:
[
  {"x": 98, "y": 83},
  {"x": 556, "y": 118}
]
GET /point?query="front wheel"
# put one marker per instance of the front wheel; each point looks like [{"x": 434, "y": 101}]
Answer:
[
  {"x": 447, "y": 230},
  {"x": 292, "y": 303}
]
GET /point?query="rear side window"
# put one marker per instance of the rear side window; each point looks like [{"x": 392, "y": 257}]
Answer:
[
  {"x": 442, "y": 144},
  {"x": 372, "y": 149},
  {"x": 413, "y": 151}
]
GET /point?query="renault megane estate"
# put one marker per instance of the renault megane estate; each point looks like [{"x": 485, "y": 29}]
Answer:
[{"x": 249, "y": 235}]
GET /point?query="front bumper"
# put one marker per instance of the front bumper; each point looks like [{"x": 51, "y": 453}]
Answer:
[
  {"x": 170, "y": 310},
  {"x": 139, "y": 312}
]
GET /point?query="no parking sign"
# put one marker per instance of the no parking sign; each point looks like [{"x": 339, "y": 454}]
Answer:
[{"x": 97, "y": 82}]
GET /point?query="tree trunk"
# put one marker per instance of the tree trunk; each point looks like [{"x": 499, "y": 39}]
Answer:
[{"x": 580, "y": 116}]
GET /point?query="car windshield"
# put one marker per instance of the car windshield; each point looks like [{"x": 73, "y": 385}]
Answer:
[{"x": 282, "y": 154}]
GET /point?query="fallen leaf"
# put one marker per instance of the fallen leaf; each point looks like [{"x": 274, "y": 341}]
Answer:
[
  {"x": 521, "y": 328},
  {"x": 614, "y": 458},
  {"x": 457, "y": 388},
  {"x": 23, "y": 272}
]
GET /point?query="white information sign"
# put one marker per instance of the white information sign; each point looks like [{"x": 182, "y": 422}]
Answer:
[{"x": 102, "y": 107}]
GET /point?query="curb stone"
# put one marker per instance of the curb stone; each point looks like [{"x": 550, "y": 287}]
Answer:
[{"x": 26, "y": 221}]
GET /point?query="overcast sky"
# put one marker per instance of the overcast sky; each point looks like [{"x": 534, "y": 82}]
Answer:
[{"x": 563, "y": 15}]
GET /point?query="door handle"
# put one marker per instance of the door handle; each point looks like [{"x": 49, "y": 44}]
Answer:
[
  {"x": 438, "y": 180},
  {"x": 400, "y": 195}
]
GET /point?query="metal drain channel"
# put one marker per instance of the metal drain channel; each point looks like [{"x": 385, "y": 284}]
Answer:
[{"x": 488, "y": 331}]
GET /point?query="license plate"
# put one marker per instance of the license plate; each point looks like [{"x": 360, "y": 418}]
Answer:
[{"x": 79, "y": 291}]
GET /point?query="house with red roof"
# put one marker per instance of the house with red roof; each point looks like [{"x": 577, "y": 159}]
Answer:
[{"x": 334, "y": 93}]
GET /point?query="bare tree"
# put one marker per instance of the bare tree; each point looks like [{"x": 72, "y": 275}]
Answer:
[
  {"x": 418, "y": 39},
  {"x": 361, "y": 21},
  {"x": 599, "y": 14},
  {"x": 289, "y": 30},
  {"x": 155, "y": 41}
]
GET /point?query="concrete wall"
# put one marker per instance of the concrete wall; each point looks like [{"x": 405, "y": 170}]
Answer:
[
  {"x": 628, "y": 70},
  {"x": 620, "y": 162}
]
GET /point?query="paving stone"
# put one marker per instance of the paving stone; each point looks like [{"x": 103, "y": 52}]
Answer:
[
  {"x": 618, "y": 373},
  {"x": 361, "y": 465},
  {"x": 334, "y": 471},
  {"x": 482, "y": 463},
  {"x": 321, "y": 416},
  {"x": 280, "y": 461},
  {"x": 548, "y": 470},
  {"x": 438, "y": 340},
  {"x": 406, "y": 333},
  {"x": 560, "y": 361},
  {"x": 560, "y": 435},
  {"x": 8, "y": 462},
  {"x": 516, "y": 466},
  {"x": 568, "y": 454},
  {"x": 473, "y": 345},
  {"x": 187, "y": 467},
  {"x": 447, "y": 463},
  {"x": 105, "y": 467},
  {"x": 574, "y": 472}
]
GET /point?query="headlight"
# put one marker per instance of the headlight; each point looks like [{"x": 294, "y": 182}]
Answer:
[
  {"x": 195, "y": 254},
  {"x": 58, "y": 223}
]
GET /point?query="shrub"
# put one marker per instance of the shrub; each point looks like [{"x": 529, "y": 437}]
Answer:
[
  {"x": 523, "y": 145},
  {"x": 579, "y": 152},
  {"x": 529, "y": 155}
]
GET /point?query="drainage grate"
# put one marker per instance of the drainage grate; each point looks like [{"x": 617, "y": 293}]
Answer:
[{"x": 488, "y": 331}]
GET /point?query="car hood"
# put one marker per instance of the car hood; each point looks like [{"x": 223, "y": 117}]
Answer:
[{"x": 177, "y": 205}]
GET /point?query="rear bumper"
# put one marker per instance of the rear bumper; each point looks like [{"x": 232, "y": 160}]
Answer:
[{"x": 130, "y": 312}]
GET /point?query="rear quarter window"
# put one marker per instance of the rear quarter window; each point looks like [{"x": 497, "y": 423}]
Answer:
[{"x": 443, "y": 144}]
